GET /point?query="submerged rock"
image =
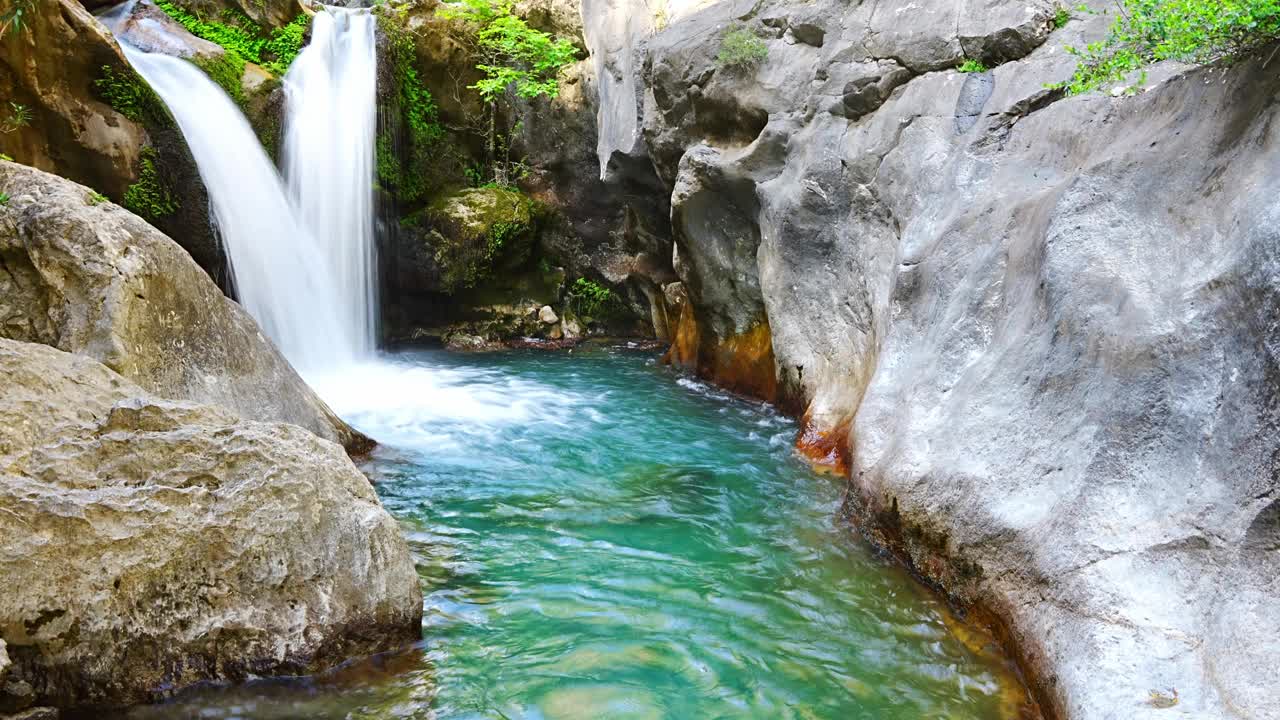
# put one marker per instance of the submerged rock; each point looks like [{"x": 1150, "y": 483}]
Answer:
[
  {"x": 88, "y": 277},
  {"x": 151, "y": 544}
]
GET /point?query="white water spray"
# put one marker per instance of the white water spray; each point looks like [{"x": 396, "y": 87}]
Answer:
[
  {"x": 302, "y": 256},
  {"x": 281, "y": 276},
  {"x": 330, "y": 127}
]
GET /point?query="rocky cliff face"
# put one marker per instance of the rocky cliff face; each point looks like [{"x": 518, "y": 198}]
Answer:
[
  {"x": 86, "y": 276},
  {"x": 151, "y": 544},
  {"x": 1036, "y": 331}
]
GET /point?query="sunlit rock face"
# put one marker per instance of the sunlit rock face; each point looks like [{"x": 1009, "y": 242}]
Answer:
[
  {"x": 151, "y": 544},
  {"x": 1036, "y": 331},
  {"x": 50, "y": 68},
  {"x": 86, "y": 276}
]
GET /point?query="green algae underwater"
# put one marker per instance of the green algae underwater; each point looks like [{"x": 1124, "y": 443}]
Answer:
[{"x": 600, "y": 538}]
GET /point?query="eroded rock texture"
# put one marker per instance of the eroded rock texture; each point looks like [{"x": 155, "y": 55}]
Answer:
[
  {"x": 1038, "y": 332},
  {"x": 88, "y": 277},
  {"x": 152, "y": 544}
]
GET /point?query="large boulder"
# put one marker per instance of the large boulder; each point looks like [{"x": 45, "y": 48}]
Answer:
[
  {"x": 1037, "y": 332},
  {"x": 151, "y": 544},
  {"x": 86, "y": 276}
]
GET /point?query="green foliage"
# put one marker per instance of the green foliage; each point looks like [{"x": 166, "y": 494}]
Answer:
[
  {"x": 19, "y": 116},
  {"x": 131, "y": 96},
  {"x": 286, "y": 43},
  {"x": 149, "y": 198},
  {"x": 1061, "y": 16},
  {"x": 5, "y": 158},
  {"x": 409, "y": 173},
  {"x": 740, "y": 48},
  {"x": 591, "y": 299},
  {"x": 97, "y": 198},
  {"x": 972, "y": 66},
  {"x": 225, "y": 70},
  {"x": 1148, "y": 31},
  {"x": 13, "y": 17},
  {"x": 4, "y": 198},
  {"x": 239, "y": 34},
  {"x": 514, "y": 56}
]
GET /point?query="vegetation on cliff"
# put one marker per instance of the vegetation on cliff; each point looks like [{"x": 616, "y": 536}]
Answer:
[
  {"x": 405, "y": 167},
  {"x": 515, "y": 61},
  {"x": 241, "y": 36},
  {"x": 1199, "y": 31}
]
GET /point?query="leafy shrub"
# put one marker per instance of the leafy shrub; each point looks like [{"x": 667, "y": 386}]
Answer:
[
  {"x": 591, "y": 299},
  {"x": 149, "y": 198},
  {"x": 740, "y": 48},
  {"x": 1199, "y": 31},
  {"x": 972, "y": 66},
  {"x": 513, "y": 55},
  {"x": 1061, "y": 16}
]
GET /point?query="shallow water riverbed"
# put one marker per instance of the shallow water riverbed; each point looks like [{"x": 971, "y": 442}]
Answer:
[{"x": 599, "y": 538}]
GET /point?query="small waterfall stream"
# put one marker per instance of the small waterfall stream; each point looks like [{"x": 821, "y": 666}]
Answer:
[
  {"x": 301, "y": 254},
  {"x": 331, "y": 93}
]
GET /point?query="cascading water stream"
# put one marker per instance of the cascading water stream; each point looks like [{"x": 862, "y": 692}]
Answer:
[
  {"x": 331, "y": 94},
  {"x": 301, "y": 255},
  {"x": 281, "y": 277}
]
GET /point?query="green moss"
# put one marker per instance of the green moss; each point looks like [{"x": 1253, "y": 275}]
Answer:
[
  {"x": 96, "y": 198},
  {"x": 226, "y": 70},
  {"x": 478, "y": 229},
  {"x": 149, "y": 197},
  {"x": 128, "y": 94},
  {"x": 972, "y": 66},
  {"x": 4, "y": 198},
  {"x": 239, "y": 34},
  {"x": 409, "y": 169}
]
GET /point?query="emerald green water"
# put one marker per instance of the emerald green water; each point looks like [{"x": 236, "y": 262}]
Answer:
[{"x": 598, "y": 538}]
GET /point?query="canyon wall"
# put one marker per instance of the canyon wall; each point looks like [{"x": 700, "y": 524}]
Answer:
[{"x": 1037, "y": 332}]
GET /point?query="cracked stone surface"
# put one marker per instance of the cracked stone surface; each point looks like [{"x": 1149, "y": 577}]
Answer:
[
  {"x": 1042, "y": 328},
  {"x": 152, "y": 544}
]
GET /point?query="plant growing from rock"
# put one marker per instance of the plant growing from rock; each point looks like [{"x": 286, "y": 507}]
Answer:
[
  {"x": 149, "y": 197},
  {"x": 13, "y": 17},
  {"x": 741, "y": 48},
  {"x": 516, "y": 61},
  {"x": 972, "y": 66},
  {"x": 19, "y": 116},
  {"x": 1198, "y": 31},
  {"x": 4, "y": 198}
]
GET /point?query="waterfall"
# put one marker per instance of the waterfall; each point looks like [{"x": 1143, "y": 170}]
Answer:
[
  {"x": 331, "y": 100},
  {"x": 302, "y": 254}
]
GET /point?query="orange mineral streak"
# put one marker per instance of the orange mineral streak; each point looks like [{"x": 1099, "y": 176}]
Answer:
[
  {"x": 827, "y": 450},
  {"x": 742, "y": 363}
]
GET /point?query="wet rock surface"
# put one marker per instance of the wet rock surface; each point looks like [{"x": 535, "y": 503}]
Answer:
[
  {"x": 1036, "y": 331},
  {"x": 153, "y": 544},
  {"x": 89, "y": 277}
]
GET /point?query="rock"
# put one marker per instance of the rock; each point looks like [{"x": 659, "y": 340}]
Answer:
[
  {"x": 1035, "y": 331},
  {"x": 5, "y": 663},
  {"x": 547, "y": 315},
  {"x": 470, "y": 233},
  {"x": 91, "y": 278},
  {"x": 152, "y": 544},
  {"x": 49, "y": 67},
  {"x": 571, "y": 329},
  {"x": 269, "y": 14}
]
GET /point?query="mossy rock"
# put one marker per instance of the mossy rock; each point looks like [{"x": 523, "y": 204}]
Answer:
[{"x": 478, "y": 230}]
